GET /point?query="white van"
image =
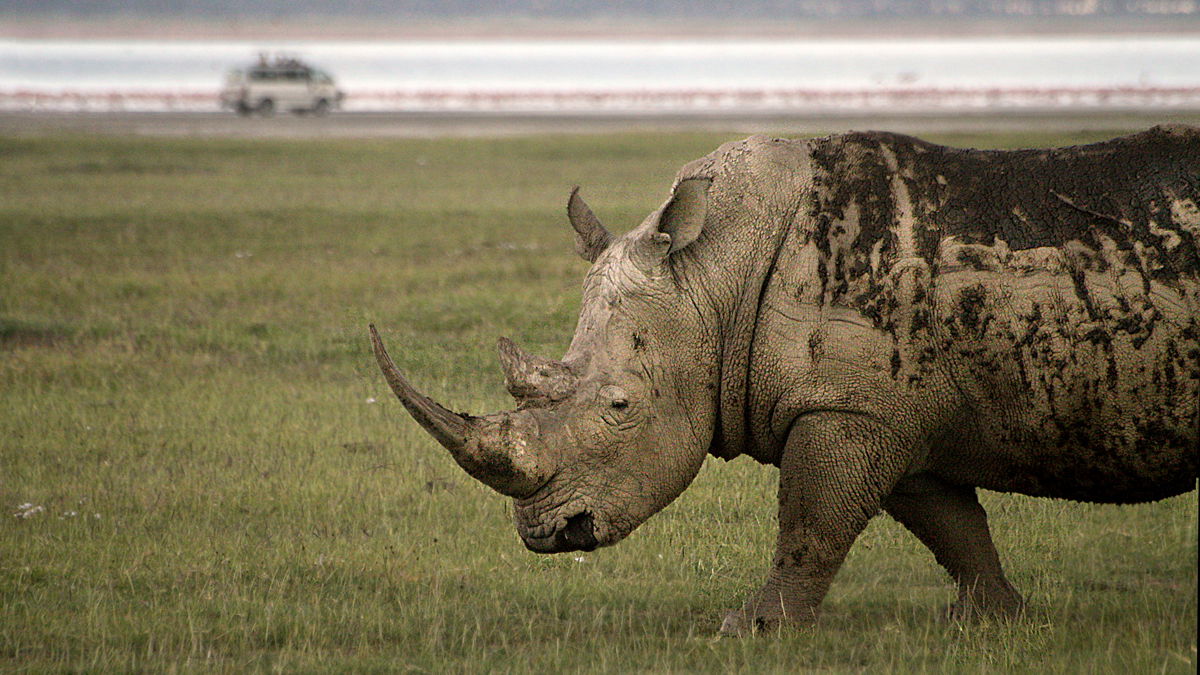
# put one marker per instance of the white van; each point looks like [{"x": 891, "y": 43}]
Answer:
[{"x": 285, "y": 84}]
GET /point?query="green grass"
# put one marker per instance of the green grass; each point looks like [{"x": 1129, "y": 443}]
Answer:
[{"x": 186, "y": 390}]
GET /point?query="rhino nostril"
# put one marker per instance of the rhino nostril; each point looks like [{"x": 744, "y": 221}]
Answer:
[{"x": 579, "y": 533}]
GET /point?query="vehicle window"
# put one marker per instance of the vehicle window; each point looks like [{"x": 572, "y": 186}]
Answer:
[{"x": 293, "y": 75}]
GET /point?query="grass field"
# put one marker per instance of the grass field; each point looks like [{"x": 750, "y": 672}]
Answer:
[{"x": 202, "y": 470}]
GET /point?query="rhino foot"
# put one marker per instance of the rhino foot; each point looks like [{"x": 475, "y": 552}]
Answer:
[
  {"x": 995, "y": 601},
  {"x": 766, "y": 617},
  {"x": 733, "y": 625},
  {"x": 738, "y": 624}
]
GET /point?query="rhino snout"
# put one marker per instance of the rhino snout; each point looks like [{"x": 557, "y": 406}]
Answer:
[{"x": 578, "y": 533}]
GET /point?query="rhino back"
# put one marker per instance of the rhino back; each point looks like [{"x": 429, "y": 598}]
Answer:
[{"x": 1054, "y": 294}]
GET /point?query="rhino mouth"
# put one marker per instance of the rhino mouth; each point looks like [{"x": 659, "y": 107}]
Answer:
[{"x": 578, "y": 533}]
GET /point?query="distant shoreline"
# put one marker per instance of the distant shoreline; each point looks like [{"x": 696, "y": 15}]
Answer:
[
  {"x": 53, "y": 27},
  {"x": 929, "y": 100},
  {"x": 440, "y": 125}
]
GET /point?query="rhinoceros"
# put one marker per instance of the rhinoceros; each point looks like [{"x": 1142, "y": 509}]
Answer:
[{"x": 892, "y": 323}]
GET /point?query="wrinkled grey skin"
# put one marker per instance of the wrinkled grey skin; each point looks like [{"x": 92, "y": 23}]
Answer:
[{"x": 891, "y": 323}]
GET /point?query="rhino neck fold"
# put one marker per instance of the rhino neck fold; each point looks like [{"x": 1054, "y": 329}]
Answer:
[
  {"x": 729, "y": 280},
  {"x": 739, "y": 331}
]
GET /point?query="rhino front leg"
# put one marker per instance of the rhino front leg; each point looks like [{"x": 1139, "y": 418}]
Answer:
[
  {"x": 835, "y": 471},
  {"x": 949, "y": 520}
]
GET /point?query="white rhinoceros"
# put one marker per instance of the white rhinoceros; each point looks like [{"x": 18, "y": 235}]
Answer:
[{"x": 893, "y": 324}]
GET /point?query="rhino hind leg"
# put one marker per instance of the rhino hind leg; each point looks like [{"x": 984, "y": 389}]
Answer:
[
  {"x": 835, "y": 471},
  {"x": 949, "y": 520}
]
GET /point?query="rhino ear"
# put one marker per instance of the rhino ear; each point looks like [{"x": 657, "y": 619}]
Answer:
[
  {"x": 591, "y": 237},
  {"x": 683, "y": 216},
  {"x": 674, "y": 226}
]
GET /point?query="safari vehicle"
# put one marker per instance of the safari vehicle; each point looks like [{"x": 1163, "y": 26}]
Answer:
[{"x": 282, "y": 84}]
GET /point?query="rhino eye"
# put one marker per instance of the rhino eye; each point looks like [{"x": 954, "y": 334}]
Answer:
[{"x": 615, "y": 397}]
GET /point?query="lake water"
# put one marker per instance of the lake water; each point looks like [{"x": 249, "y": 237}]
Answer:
[{"x": 588, "y": 74}]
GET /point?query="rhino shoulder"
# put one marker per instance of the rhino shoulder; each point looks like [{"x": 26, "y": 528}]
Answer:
[{"x": 758, "y": 154}]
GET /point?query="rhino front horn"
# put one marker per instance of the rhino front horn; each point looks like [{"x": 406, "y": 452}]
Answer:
[{"x": 495, "y": 450}]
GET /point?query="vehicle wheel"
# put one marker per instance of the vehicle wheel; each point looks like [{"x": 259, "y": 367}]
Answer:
[
  {"x": 266, "y": 107},
  {"x": 321, "y": 108},
  {"x": 243, "y": 109}
]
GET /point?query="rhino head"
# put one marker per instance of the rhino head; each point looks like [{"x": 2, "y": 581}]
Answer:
[{"x": 613, "y": 432}]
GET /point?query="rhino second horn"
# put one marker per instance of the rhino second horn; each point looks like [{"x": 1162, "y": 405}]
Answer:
[
  {"x": 531, "y": 378},
  {"x": 495, "y": 450}
]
